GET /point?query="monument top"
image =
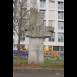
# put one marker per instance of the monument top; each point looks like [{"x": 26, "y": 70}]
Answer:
[{"x": 38, "y": 30}]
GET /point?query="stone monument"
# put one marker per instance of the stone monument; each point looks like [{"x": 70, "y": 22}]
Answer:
[{"x": 37, "y": 34}]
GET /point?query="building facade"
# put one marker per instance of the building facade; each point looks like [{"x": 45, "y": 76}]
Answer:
[{"x": 53, "y": 16}]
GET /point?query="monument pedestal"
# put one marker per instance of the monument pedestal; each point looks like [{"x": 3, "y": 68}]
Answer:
[{"x": 36, "y": 54}]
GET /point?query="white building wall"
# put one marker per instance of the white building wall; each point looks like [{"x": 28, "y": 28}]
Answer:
[
  {"x": 51, "y": 14},
  {"x": 26, "y": 41}
]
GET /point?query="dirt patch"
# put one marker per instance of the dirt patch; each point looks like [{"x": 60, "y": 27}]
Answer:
[{"x": 36, "y": 66}]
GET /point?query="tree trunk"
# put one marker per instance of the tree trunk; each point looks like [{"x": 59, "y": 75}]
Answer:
[{"x": 18, "y": 48}]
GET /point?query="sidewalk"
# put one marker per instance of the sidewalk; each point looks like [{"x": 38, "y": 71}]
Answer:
[{"x": 43, "y": 70}]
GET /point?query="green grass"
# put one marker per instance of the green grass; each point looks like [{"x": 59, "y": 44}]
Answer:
[
  {"x": 46, "y": 62},
  {"x": 21, "y": 57},
  {"x": 19, "y": 61},
  {"x": 57, "y": 63},
  {"x": 44, "y": 65},
  {"x": 54, "y": 62}
]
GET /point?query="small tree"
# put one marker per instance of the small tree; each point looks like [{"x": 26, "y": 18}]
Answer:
[{"x": 21, "y": 19}]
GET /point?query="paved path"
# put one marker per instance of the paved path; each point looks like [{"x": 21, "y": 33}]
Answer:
[{"x": 18, "y": 74}]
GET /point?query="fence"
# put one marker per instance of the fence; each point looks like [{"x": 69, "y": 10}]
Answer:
[
  {"x": 22, "y": 53},
  {"x": 47, "y": 55}
]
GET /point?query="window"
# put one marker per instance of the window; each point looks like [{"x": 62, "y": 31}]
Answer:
[
  {"x": 61, "y": 48},
  {"x": 60, "y": 5},
  {"x": 60, "y": 25},
  {"x": 42, "y": 3},
  {"x": 50, "y": 47},
  {"x": 22, "y": 36},
  {"x": 52, "y": 39},
  {"x": 55, "y": 48},
  {"x": 58, "y": 48},
  {"x": 44, "y": 22},
  {"x": 60, "y": 15},
  {"x": 24, "y": 3},
  {"x": 60, "y": 37},
  {"x": 43, "y": 11}
]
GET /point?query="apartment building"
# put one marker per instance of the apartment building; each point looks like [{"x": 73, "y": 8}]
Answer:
[{"x": 53, "y": 16}]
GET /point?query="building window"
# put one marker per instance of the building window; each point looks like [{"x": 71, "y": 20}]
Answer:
[
  {"x": 60, "y": 15},
  {"x": 42, "y": 3},
  {"x": 55, "y": 48},
  {"x": 60, "y": 37},
  {"x": 52, "y": 39},
  {"x": 22, "y": 36},
  {"x": 61, "y": 48},
  {"x": 58, "y": 48},
  {"x": 60, "y": 5},
  {"x": 43, "y": 11},
  {"x": 24, "y": 3},
  {"x": 44, "y": 22},
  {"x": 60, "y": 25}
]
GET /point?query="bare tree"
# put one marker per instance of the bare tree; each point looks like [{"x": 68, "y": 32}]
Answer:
[{"x": 21, "y": 19}]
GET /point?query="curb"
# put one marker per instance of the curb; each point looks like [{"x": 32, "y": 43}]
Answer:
[{"x": 43, "y": 70}]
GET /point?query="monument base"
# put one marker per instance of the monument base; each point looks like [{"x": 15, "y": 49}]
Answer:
[{"x": 36, "y": 53}]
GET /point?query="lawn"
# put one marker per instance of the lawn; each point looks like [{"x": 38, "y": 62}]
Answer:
[{"x": 23, "y": 62}]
